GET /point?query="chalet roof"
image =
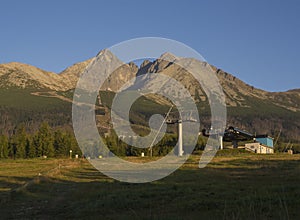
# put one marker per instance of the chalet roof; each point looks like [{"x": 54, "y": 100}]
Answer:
[{"x": 263, "y": 136}]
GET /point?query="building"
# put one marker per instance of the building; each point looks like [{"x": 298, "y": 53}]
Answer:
[
  {"x": 259, "y": 148},
  {"x": 263, "y": 145},
  {"x": 265, "y": 140}
]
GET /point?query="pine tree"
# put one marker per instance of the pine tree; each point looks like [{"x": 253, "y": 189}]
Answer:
[
  {"x": 44, "y": 141},
  {"x": 111, "y": 142},
  {"x": 19, "y": 142},
  {"x": 73, "y": 144},
  {"x": 11, "y": 148},
  {"x": 37, "y": 146},
  {"x": 60, "y": 143},
  {"x": 30, "y": 148},
  {"x": 3, "y": 146}
]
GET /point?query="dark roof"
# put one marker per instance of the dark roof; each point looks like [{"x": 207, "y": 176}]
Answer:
[{"x": 263, "y": 136}]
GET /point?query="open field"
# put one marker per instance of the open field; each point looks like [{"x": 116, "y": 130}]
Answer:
[{"x": 238, "y": 186}]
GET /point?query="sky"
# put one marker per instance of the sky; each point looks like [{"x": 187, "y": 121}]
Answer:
[{"x": 257, "y": 40}]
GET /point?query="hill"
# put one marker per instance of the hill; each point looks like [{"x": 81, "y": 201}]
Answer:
[{"x": 31, "y": 95}]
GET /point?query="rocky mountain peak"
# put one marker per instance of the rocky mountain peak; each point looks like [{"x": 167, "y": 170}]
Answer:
[
  {"x": 237, "y": 92},
  {"x": 106, "y": 56},
  {"x": 167, "y": 56},
  {"x": 145, "y": 63}
]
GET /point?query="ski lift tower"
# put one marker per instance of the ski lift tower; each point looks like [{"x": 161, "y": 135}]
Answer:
[{"x": 180, "y": 133}]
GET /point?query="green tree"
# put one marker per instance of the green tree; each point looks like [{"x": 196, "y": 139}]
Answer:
[
  {"x": 44, "y": 141},
  {"x": 30, "y": 148},
  {"x": 36, "y": 146},
  {"x": 11, "y": 148},
  {"x": 73, "y": 145},
  {"x": 201, "y": 143},
  {"x": 116, "y": 146},
  {"x": 60, "y": 143},
  {"x": 19, "y": 141},
  {"x": 64, "y": 142},
  {"x": 3, "y": 146}
]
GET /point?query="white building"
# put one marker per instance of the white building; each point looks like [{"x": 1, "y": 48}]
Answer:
[{"x": 259, "y": 148}]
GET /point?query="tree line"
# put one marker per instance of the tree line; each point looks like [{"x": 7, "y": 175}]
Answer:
[
  {"x": 46, "y": 141},
  {"x": 166, "y": 145},
  {"x": 50, "y": 142}
]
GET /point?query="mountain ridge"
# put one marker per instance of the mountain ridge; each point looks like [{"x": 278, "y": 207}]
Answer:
[
  {"x": 248, "y": 107},
  {"x": 25, "y": 75},
  {"x": 77, "y": 68}
]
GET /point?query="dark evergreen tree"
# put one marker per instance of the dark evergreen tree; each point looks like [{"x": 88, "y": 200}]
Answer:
[
  {"x": 44, "y": 141},
  {"x": 37, "y": 146},
  {"x": 60, "y": 144},
  {"x": 30, "y": 148},
  {"x": 19, "y": 142},
  {"x": 3, "y": 146},
  {"x": 72, "y": 143}
]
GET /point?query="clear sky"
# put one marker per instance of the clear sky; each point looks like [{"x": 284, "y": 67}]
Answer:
[{"x": 255, "y": 40}]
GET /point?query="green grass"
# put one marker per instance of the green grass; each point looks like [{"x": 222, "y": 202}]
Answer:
[
  {"x": 23, "y": 99},
  {"x": 19, "y": 105},
  {"x": 240, "y": 186}
]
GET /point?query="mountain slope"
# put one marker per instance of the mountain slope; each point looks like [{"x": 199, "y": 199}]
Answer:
[
  {"x": 237, "y": 92},
  {"x": 249, "y": 108},
  {"x": 27, "y": 76}
]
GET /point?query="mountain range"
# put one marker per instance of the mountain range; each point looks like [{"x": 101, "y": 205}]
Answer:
[{"x": 30, "y": 95}]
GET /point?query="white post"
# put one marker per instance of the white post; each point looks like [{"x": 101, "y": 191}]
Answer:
[
  {"x": 221, "y": 142},
  {"x": 180, "y": 147}
]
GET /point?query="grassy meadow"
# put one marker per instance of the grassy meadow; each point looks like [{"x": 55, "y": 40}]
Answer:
[{"x": 234, "y": 185}]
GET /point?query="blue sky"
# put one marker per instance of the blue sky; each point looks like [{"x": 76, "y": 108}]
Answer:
[{"x": 257, "y": 40}]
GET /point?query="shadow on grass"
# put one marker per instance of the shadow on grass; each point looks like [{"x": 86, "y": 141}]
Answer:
[{"x": 234, "y": 189}]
